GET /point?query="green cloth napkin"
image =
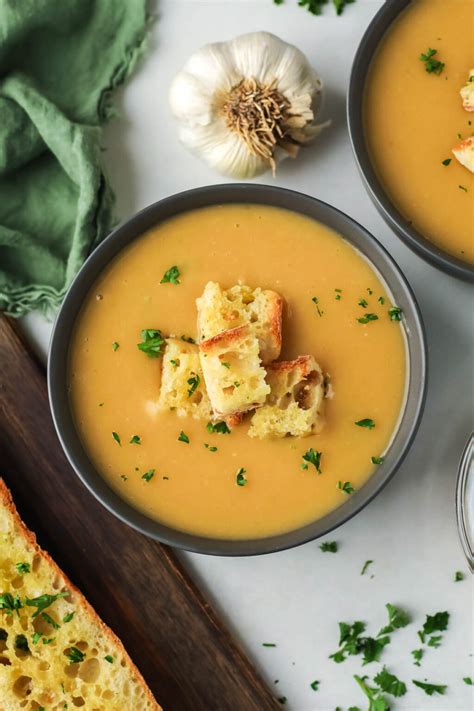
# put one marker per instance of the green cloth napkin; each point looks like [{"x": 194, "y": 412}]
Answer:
[{"x": 60, "y": 60}]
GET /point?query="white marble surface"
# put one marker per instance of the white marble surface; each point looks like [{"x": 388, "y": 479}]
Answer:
[{"x": 296, "y": 598}]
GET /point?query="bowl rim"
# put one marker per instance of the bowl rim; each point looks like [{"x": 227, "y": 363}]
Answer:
[
  {"x": 365, "y": 52},
  {"x": 241, "y": 193}
]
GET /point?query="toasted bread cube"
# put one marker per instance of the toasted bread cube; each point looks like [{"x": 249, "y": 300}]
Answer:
[
  {"x": 464, "y": 152},
  {"x": 233, "y": 372},
  {"x": 182, "y": 383},
  {"x": 295, "y": 401},
  {"x": 220, "y": 310},
  {"x": 467, "y": 92}
]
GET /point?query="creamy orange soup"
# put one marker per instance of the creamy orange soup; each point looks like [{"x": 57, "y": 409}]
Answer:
[
  {"x": 413, "y": 119},
  {"x": 193, "y": 488}
]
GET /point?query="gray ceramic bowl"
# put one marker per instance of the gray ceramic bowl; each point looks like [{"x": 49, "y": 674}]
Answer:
[
  {"x": 224, "y": 194},
  {"x": 360, "y": 68}
]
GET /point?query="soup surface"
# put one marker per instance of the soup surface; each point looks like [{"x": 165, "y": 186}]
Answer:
[
  {"x": 414, "y": 118},
  {"x": 193, "y": 488}
]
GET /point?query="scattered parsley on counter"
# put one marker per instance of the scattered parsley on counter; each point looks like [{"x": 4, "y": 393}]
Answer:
[
  {"x": 390, "y": 684},
  {"x": 115, "y": 346},
  {"x": 218, "y": 427},
  {"x": 329, "y": 547},
  {"x": 240, "y": 479},
  {"x": 268, "y": 644},
  {"x": 314, "y": 458},
  {"x": 147, "y": 476},
  {"x": 432, "y": 66},
  {"x": 193, "y": 382},
  {"x": 417, "y": 655},
  {"x": 458, "y": 576},
  {"x": 315, "y": 685},
  {"x": 75, "y": 655},
  {"x": 397, "y": 618},
  {"x": 183, "y": 437},
  {"x": 367, "y": 318},
  {"x": 346, "y": 487},
  {"x": 365, "y": 566},
  {"x": 395, "y": 313},
  {"x": 315, "y": 300},
  {"x": 366, "y": 422},
  {"x": 315, "y": 7},
  {"x": 135, "y": 440},
  {"x": 151, "y": 342},
  {"x": 434, "y": 623},
  {"x": 446, "y": 161},
  {"x": 431, "y": 689},
  {"x": 467, "y": 680},
  {"x": 108, "y": 658},
  {"x": 363, "y": 302},
  {"x": 435, "y": 641},
  {"x": 282, "y": 700},
  {"x": 117, "y": 438},
  {"x": 171, "y": 276},
  {"x": 375, "y": 696},
  {"x": 22, "y": 568},
  {"x": 211, "y": 449},
  {"x": 377, "y": 460}
]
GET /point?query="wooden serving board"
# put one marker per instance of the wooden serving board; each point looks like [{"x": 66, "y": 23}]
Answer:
[{"x": 136, "y": 585}]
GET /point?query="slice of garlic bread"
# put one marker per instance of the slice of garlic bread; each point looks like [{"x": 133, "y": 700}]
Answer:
[
  {"x": 295, "y": 401},
  {"x": 55, "y": 652},
  {"x": 464, "y": 152},
  {"x": 467, "y": 92},
  {"x": 182, "y": 384},
  {"x": 220, "y": 310},
  {"x": 233, "y": 372}
]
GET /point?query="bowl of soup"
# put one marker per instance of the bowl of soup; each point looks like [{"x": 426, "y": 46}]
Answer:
[
  {"x": 189, "y": 480},
  {"x": 406, "y": 114}
]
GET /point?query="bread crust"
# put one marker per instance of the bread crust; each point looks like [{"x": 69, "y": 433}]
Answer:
[{"x": 6, "y": 501}]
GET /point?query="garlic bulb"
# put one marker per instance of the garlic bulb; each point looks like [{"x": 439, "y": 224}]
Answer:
[{"x": 245, "y": 104}]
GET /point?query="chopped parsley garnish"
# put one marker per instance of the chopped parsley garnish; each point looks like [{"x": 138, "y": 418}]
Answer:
[
  {"x": 446, "y": 161},
  {"x": 151, "y": 342},
  {"x": 377, "y": 460},
  {"x": 467, "y": 680},
  {"x": 376, "y": 698},
  {"x": 193, "y": 382},
  {"x": 329, "y": 547},
  {"x": 346, "y": 487},
  {"x": 338, "y": 296},
  {"x": 315, "y": 300},
  {"x": 430, "y": 689},
  {"x": 458, "y": 576},
  {"x": 23, "y": 568},
  {"x": 236, "y": 384},
  {"x": 136, "y": 439},
  {"x": 115, "y": 346},
  {"x": 434, "y": 623},
  {"x": 225, "y": 365},
  {"x": 10, "y": 603},
  {"x": 211, "y": 449},
  {"x": 75, "y": 655},
  {"x": 462, "y": 187},
  {"x": 240, "y": 479},
  {"x": 390, "y": 684},
  {"x": 21, "y": 643},
  {"x": 218, "y": 427},
  {"x": 117, "y": 438},
  {"x": 43, "y": 601},
  {"x": 174, "y": 362},
  {"x": 363, "y": 302},
  {"x": 397, "y": 618},
  {"x": 183, "y": 437},
  {"x": 314, "y": 458},
  {"x": 381, "y": 300},
  {"x": 367, "y": 318},
  {"x": 188, "y": 339},
  {"x": 171, "y": 276},
  {"x": 147, "y": 476},
  {"x": 36, "y": 637},
  {"x": 395, "y": 313},
  {"x": 366, "y": 422},
  {"x": 315, "y": 685},
  {"x": 365, "y": 566},
  {"x": 47, "y": 618},
  {"x": 268, "y": 644},
  {"x": 417, "y": 654},
  {"x": 48, "y": 641},
  {"x": 369, "y": 291},
  {"x": 124, "y": 477},
  {"x": 68, "y": 617},
  {"x": 432, "y": 66},
  {"x": 108, "y": 658}
]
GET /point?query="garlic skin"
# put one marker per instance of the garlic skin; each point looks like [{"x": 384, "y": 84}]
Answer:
[{"x": 245, "y": 104}]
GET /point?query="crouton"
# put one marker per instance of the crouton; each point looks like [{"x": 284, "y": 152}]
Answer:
[
  {"x": 182, "y": 383},
  {"x": 467, "y": 92},
  {"x": 233, "y": 373},
  {"x": 220, "y": 310},
  {"x": 464, "y": 153},
  {"x": 294, "y": 404}
]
